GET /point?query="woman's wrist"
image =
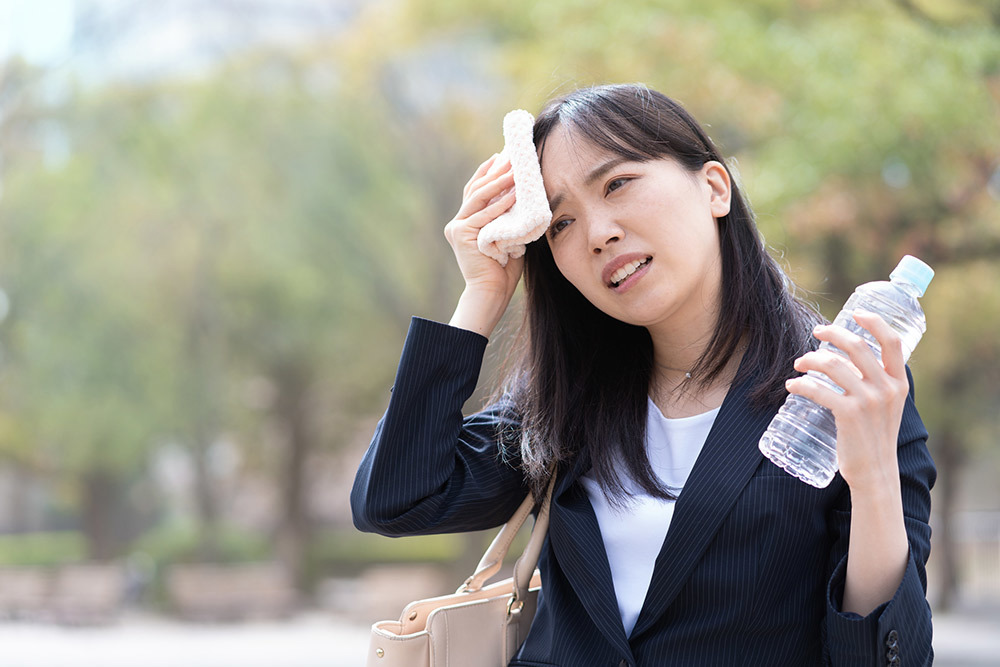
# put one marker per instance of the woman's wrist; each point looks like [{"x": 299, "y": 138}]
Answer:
[
  {"x": 479, "y": 310},
  {"x": 875, "y": 481}
]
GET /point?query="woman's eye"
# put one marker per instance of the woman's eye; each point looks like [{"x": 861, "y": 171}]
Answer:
[
  {"x": 557, "y": 227},
  {"x": 616, "y": 183}
]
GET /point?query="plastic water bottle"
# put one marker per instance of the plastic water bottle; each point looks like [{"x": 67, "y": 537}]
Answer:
[{"x": 802, "y": 437}]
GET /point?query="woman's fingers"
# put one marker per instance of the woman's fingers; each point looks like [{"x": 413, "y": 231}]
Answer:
[
  {"x": 889, "y": 341},
  {"x": 814, "y": 390},
  {"x": 857, "y": 371},
  {"x": 479, "y": 173},
  {"x": 498, "y": 206},
  {"x": 854, "y": 346},
  {"x": 468, "y": 228},
  {"x": 483, "y": 192},
  {"x": 488, "y": 195},
  {"x": 497, "y": 167},
  {"x": 835, "y": 366},
  {"x": 872, "y": 395}
]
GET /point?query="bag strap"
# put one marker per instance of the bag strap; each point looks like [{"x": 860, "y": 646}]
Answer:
[
  {"x": 525, "y": 565},
  {"x": 492, "y": 560}
]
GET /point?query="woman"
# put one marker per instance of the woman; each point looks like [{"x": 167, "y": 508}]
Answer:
[{"x": 660, "y": 335}]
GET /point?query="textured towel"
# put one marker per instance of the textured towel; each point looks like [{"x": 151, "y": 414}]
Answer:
[{"x": 530, "y": 216}]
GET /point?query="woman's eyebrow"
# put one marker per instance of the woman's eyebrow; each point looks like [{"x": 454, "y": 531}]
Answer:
[
  {"x": 603, "y": 169},
  {"x": 595, "y": 174}
]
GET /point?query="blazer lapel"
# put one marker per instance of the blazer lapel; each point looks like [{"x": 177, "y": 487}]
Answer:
[
  {"x": 725, "y": 465},
  {"x": 575, "y": 538}
]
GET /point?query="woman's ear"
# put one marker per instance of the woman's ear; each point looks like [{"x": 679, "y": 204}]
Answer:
[{"x": 717, "y": 178}]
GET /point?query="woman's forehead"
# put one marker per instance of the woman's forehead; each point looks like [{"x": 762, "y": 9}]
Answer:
[
  {"x": 567, "y": 154},
  {"x": 565, "y": 141},
  {"x": 570, "y": 161}
]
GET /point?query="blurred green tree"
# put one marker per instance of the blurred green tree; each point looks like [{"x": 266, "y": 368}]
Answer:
[
  {"x": 228, "y": 255},
  {"x": 85, "y": 353}
]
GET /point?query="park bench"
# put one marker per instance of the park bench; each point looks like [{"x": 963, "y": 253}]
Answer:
[
  {"x": 205, "y": 592},
  {"x": 24, "y": 592}
]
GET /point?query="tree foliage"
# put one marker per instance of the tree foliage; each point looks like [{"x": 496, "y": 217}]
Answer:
[{"x": 202, "y": 238}]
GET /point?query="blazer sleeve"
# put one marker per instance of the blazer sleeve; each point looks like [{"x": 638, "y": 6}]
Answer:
[
  {"x": 898, "y": 631},
  {"x": 428, "y": 468}
]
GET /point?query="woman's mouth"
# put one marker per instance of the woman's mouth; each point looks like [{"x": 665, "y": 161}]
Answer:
[{"x": 621, "y": 277}]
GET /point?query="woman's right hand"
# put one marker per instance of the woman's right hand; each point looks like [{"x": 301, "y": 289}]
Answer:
[{"x": 488, "y": 286}]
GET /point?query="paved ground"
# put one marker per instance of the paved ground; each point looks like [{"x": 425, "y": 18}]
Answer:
[
  {"x": 966, "y": 640},
  {"x": 307, "y": 641},
  {"x": 970, "y": 639}
]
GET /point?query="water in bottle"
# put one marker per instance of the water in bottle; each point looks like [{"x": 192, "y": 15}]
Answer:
[{"x": 802, "y": 437}]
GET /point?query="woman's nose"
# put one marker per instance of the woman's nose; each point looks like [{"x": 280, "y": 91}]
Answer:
[{"x": 604, "y": 233}]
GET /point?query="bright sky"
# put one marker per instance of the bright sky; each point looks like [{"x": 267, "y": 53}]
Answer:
[{"x": 39, "y": 30}]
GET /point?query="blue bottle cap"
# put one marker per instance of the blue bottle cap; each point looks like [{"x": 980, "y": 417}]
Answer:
[{"x": 913, "y": 271}]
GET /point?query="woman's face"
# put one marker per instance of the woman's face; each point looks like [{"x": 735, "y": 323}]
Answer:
[{"x": 638, "y": 239}]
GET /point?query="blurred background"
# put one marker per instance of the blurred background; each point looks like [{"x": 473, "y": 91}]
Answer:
[{"x": 217, "y": 216}]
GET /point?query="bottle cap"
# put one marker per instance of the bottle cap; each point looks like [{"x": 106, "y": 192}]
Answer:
[{"x": 913, "y": 271}]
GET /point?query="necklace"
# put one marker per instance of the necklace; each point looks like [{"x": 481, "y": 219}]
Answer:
[{"x": 687, "y": 374}]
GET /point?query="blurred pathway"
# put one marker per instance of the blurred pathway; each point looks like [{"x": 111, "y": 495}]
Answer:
[
  {"x": 307, "y": 641},
  {"x": 966, "y": 640}
]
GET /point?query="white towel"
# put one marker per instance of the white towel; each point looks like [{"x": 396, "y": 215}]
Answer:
[{"x": 529, "y": 217}]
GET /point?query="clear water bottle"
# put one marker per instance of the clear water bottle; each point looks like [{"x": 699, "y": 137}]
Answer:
[{"x": 802, "y": 437}]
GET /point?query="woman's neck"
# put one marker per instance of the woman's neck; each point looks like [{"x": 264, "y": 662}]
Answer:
[
  {"x": 675, "y": 386},
  {"x": 679, "y": 342}
]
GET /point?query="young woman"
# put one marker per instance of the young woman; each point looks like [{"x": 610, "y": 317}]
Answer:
[{"x": 660, "y": 340}]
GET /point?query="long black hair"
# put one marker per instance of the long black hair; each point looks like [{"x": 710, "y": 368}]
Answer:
[{"x": 581, "y": 382}]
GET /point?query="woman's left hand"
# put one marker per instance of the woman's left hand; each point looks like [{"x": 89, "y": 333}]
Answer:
[{"x": 870, "y": 410}]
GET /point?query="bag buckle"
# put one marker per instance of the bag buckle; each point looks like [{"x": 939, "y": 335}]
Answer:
[{"x": 514, "y": 605}]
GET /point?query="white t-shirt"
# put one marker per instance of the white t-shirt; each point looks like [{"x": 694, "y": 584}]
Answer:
[{"x": 634, "y": 535}]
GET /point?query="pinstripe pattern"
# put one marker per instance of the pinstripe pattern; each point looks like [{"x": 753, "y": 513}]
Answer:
[
  {"x": 427, "y": 472},
  {"x": 751, "y": 571}
]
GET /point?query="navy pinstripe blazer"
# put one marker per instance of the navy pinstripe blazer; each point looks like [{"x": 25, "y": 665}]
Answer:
[{"x": 752, "y": 568}]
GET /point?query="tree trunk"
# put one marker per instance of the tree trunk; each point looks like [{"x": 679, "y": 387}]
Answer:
[
  {"x": 100, "y": 491},
  {"x": 949, "y": 456},
  {"x": 204, "y": 388},
  {"x": 205, "y": 501},
  {"x": 18, "y": 508},
  {"x": 294, "y": 531}
]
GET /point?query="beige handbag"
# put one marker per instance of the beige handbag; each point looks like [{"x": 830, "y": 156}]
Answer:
[{"x": 477, "y": 626}]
